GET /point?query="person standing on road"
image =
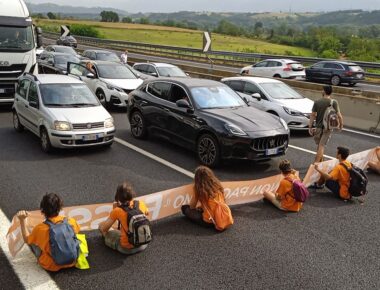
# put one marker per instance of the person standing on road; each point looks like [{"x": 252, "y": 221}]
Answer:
[
  {"x": 338, "y": 180},
  {"x": 118, "y": 239},
  {"x": 208, "y": 192},
  {"x": 320, "y": 133},
  {"x": 124, "y": 57},
  {"x": 284, "y": 197},
  {"x": 39, "y": 240}
]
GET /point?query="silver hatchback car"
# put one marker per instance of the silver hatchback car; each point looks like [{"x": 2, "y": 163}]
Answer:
[{"x": 62, "y": 111}]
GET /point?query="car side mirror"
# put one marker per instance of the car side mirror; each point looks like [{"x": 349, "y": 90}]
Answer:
[
  {"x": 154, "y": 74},
  {"x": 183, "y": 104},
  {"x": 90, "y": 76},
  {"x": 33, "y": 104},
  {"x": 257, "y": 96}
]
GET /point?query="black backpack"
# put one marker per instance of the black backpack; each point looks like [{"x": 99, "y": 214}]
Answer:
[
  {"x": 139, "y": 230},
  {"x": 358, "y": 180}
]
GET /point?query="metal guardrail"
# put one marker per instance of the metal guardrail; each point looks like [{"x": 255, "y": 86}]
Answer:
[{"x": 228, "y": 57}]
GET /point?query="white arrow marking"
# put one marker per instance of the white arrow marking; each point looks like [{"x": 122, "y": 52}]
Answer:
[
  {"x": 208, "y": 42},
  {"x": 66, "y": 31}
]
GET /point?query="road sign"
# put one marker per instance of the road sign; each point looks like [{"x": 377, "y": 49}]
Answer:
[
  {"x": 65, "y": 30},
  {"x": 206, "y": 41}
]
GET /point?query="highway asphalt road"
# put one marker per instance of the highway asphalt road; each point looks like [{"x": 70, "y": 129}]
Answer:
[
  {"x": 330, "y": 244},
  {"x": 359, "y": 86}
]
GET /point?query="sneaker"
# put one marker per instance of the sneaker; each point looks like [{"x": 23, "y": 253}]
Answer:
[{"x": 316, "y": 186}]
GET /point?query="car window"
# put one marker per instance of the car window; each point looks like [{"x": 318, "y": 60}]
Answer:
[
  {"x": 178, "y": 93},
  {"x": 272, "y": 63},
  {"x": 107, "y": 56},
  {"x": 261, "y": 64},
  {"x": 280, "y": 91},
  {"x": 22, "y": 89},
  {"x": 236, "y": 85},
  {"x": 115, "y": 71},
  {"x": 333, "y": 66},
  {"x": 250, "y": 89},
  {"x": 355, "y": 68},
  {"x": 216, "y": 97},
  {"x": 141, "y": 68},
  {"x": 78, "y": 70},
  {"x": 150, "y": 69},
  {"x": 85, "y": 54},
  {"x": 318, "y": 65},
  {"x": 33, "y": 93},
  {"x": 160, "y": 90},
  {"x": 171, "y": 71}
]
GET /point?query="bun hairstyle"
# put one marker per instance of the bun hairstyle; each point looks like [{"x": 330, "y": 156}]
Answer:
[{"x": 285, "y": 166}]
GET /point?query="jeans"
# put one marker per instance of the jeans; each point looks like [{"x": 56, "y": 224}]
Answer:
[
  {"x": 195, "y": 215},
  {"x": 333, "y": 186}
]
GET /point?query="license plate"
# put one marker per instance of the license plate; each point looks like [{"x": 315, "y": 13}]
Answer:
[
  {"x": 359, "y": 75},
  {"x": 2, "y": 91},
  {"x": 91, "y": 137},
  {"x": 271, "y": 152}
]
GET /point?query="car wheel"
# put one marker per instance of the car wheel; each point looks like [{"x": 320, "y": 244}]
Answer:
[
  {"x": 335, "y": 80},
  {"x": 277, "y": 76},
  {"x": 16, "y": 122},
  {"x": 138, "y": 127},
  {"x": 208, "y": 150},
  {"x": 45, "y": 141},
  {"x": 101, "y": 97}
]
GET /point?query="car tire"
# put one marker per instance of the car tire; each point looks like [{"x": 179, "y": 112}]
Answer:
[
  {"x": 138, "y": 126},
  {"x": 208, "y": 150},
  {"x": 335, "y": 80},
  {"x": 16, "y": 122},
  {"x": 277, "y": 76},
  {"x": 45, "y": 141},
  {"x": 101, "y": 97}
]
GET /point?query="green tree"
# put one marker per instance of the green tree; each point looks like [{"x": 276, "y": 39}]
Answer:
[
  {"x": 126, "y": 20},
  {"x": 51, "y": 15},
  {"x": 109, "y": 16}
]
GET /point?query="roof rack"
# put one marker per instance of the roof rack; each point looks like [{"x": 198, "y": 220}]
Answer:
[{"x": 30, "y": 74}]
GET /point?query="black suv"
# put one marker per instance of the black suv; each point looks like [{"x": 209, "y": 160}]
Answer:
[{"x": 335, "y": 72}]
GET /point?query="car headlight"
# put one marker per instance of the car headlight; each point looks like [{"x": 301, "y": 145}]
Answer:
[
  {"x": 292, "y": 112},
  {"x": 111, "y": 87},
  {"x": 284, "y": 124},
  {"x": 108, "y": 123},
  {"x": 62, "y": 126},
  {"x": 234, "y": 130}
]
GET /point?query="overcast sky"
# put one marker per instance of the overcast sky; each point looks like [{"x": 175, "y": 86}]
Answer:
[{"x": 223, "y": 5}]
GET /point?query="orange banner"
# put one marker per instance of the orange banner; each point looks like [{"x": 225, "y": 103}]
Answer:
[{"x": 161, "y": 204}]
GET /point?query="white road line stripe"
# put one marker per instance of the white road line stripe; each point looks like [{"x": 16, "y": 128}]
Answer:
[
  {"x": 156, "y": 158},
  {"x": 362, "y": 133},
  {"x": 31, "y": 275},
  {"x": 309, "y": 151}
]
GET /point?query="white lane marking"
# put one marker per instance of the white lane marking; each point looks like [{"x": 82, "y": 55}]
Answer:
[
  {"x": 309, "y": 151},
  {"x": 30, "y": 274},
  {"x": 362, "y": 133},
  {"x": 156, "y": 158}
]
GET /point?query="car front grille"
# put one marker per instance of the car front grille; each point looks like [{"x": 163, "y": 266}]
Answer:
[
  {"x": 261, "y": 144},
  {"x": 88, "y": 126},
  {"x": 12, "y": 71}
]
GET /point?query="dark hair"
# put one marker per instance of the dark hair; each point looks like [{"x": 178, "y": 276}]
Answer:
[
  {"x": 124, "y": 193},
  {"x": 344, "y": 152},
  {"x": 206, "y": 185},
  {"x": 285, "y": 166},
  {"x": 328, "y": 90},
  {"x": 51, "y": 204}
]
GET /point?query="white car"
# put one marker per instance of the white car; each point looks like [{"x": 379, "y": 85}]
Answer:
[
  {"x": 275, "y": 97},
  {"x": 277, "y": 68},
  {"x": 111, "y": 82},
  {"x": 62, "y": 111},
  {"x": 155, "y": 69}
]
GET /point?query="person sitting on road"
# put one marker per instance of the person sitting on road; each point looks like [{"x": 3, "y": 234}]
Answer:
[
  {"x": 118, "y": 239},
  {"x": 338, "y": 180},
  {"x": 375, "y": 166},
  {"x": 207, "y": 190},
  {"x": 39, "y": 240},
  {"x": 284, "y": 197}
]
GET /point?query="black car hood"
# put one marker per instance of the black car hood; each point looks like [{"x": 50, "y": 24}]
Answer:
[{"x": 248, "y": 119}]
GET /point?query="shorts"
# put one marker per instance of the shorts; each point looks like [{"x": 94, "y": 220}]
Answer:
[
  {"x": 112, "y": 240},
  {"x": 322, "y": 136}
]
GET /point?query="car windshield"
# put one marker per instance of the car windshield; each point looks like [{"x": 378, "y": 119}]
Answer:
[
  {"x": 67, "y": 95},
  {"x": 16, "y": 38},
  {"x": 355, "y": 68},
  {"x": 107, "y": 56},
  {"x": 115, "y": 71},
  {"x": 171, "y": 72},
  {"x": 216, "y": 97},
  {"x": 280, "y": 91},
  {"x": 64, "y": 59},
  {"x": 65, "y": 49}
]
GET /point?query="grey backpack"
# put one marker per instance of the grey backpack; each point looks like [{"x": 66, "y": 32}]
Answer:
[{"x": 330, "y": 118}]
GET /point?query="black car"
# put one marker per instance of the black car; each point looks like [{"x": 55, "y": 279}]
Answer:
[
  {"x": 67, "y": 41},
  {"x": 335, "y": 72},
  {"x": 95, "y": 54},
  {"x": 55, "y": 62},
  {"x": 207, "y": 117}
]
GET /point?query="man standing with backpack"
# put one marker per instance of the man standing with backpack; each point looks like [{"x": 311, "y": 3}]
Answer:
[
  {"x": 134, "y": 232},
  {"x": 291, "y": 193},
  {"x": 345, "y": 180},
  {"x": 54, "y": 241},
  {"x": 327, "y": 115}
]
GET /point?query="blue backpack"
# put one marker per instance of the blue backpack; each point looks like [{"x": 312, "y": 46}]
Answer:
[{"x": 64, "y": 245}]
